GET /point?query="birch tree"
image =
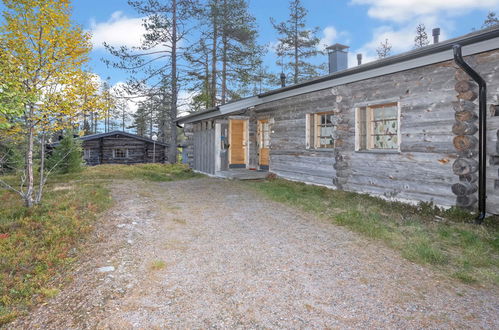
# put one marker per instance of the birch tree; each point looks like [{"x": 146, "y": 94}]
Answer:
[{"x": 48, "y": 53}]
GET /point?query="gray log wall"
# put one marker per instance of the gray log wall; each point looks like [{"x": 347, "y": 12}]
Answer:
[
  {"x": 422, "y": 170},
  {"x": 101, "y": 151}
]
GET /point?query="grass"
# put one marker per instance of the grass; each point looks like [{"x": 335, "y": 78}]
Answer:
[
  {"x": 454, "y": 245},
  {"x": 158, "y": 265},
  {"x": 40, "y": 243}
]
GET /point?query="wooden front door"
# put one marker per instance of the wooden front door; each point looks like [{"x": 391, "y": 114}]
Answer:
[
  {"x": 237, "y": 142},
  {"x": 263, "y": 143}
]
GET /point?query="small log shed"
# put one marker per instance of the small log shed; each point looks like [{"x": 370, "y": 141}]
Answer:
[{"x": 119, "y": 147}]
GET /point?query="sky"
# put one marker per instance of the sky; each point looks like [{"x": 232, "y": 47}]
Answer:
[{"x": 360, "y": 24}]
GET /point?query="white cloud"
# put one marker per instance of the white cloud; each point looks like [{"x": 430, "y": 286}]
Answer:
[
  {"x": 404, "y": 10},
  {"x": 129, "y": 100},
  {"x": 119, "y": 30},
  {"x": 330, "y": 34},
  {"x": 401, "y": 36}
]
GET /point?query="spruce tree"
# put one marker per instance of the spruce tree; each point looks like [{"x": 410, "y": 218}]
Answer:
[
  {"x": 384, "y": 49},
  {"x": 297, "y": 44},
  {"x": 491, "y": 20},
  {"x": 421, "y": 38}
]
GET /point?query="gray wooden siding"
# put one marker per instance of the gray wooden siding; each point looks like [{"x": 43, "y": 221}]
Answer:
[{"x": 203, "y": 140}]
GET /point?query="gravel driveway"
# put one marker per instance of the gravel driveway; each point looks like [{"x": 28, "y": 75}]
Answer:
[{"x": 208, "y": 253}]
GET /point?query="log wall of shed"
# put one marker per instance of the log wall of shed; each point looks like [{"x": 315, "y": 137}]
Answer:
[{"x": 101, "y": 151}]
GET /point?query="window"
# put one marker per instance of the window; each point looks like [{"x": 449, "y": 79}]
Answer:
[
  {"x": 263, "y": 132},
  {"x": 321, "y": 130},
  {"x": 378, "y": 127},
  {"x": 87, "y": 153},
  {"x": 120, "y": 153}
]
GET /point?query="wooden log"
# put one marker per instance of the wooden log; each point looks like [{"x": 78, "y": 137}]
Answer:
[
  {"x": 461, "y": 75},
  {"x": 465, "y": 142},
  {"x": 471, "y": 153},
  {"x": 464, "y": 188},
  {"x": 464, "y": 166},
  {"x": 464, "y": 128},
  {"x": 494, "y": 110},
  {"x": 341, "y": 165},
  {"x": 463, "y": 105},
  {"x": 469, "y": 96},
  {"x": 466, "y": 201},
  {"x": 471, "y": 178},
  {"x": 469, "y": 116},
  {"x": 463, "y": 86}
]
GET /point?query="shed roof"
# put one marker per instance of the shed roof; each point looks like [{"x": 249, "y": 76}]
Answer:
[
  {"x": 102, "y": 135},
  {"x": 473, "y": 43}
]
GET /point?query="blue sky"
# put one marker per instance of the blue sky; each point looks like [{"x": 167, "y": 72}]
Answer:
[{"x": 361, "y": 24}]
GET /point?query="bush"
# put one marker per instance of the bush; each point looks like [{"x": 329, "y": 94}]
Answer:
[
  {"x": 11, "y": 159},
  {"x": 67, "y": 156}
]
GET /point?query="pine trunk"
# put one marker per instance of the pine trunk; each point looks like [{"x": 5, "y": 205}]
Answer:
[
  {"x": 213, "y": 98},
  {"x": 172, "y": 152}
]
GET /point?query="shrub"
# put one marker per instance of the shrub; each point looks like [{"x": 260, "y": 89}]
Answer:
[
  {"x": 11, "y": 159},
  {"x": 67, "y": 156}
]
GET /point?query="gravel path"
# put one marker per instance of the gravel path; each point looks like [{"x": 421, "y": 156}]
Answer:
[{"x": 208, "y": 253}]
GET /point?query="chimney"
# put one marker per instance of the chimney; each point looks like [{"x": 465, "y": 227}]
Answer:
[
  {"x": 338, "y": 57},
  {"x": 283, "y": 79},
  {"x": 436, "y": 34},
  {"x": 359, "y": 59}
]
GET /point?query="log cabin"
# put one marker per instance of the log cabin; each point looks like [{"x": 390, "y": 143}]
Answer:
[
  {"x": 119, "y": 147},
  {"x": 402, "y": 128}
]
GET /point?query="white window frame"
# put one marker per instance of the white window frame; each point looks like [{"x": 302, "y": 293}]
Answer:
[
  {"x": 312, "y": 136},
  {"x": 370, "y": 108},
  {"x": 126, "y": 153}
]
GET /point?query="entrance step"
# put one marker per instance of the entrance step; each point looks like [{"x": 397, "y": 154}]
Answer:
[{"x": 242, "y": 174}]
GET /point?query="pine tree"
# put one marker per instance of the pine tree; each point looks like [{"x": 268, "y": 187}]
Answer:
[
  {"x": 421, "y": 38},
  {"x": 167, "y": 24},
  {"x": 240, "y": 53},
  {"x": 297, "y": 44},
  {"x": 226, "y": 59},
  {"x": 491, "y": 20},
  {"x": 384, "y": 49}
]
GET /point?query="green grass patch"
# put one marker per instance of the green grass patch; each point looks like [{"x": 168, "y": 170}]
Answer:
[
  {"x": 37, "y": 244},
  {"x": 158, "y": 265},
  {"x": 148, "y": 172},
  {"x": 456, "y": 246}
]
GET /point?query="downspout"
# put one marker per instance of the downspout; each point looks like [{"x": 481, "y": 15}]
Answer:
[{"x": 482, "y": 133}]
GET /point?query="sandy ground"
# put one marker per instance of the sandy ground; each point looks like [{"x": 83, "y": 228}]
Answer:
[{"x": 207, "y": 253}]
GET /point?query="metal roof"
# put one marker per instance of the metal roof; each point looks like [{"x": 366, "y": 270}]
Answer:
[
  {"x": 101, "y": 135},
  {"x": 473, "y": 43}
]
